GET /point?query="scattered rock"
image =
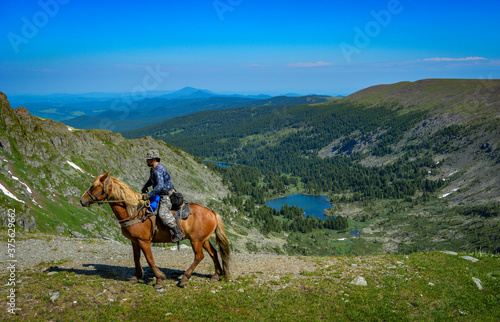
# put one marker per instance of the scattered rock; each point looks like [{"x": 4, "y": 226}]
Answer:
[
  {"x": 182, "y": 247},
  {"x": 478, "y": 283},
  {"x": 77, "y": 234},
  {"x": 89, "y": 226},
  {"x": 54, "y": 296},
  {"x": 359, "y": 281},
  {"x": 472, "y": 259},
  {"x": 448, "y": 252},
  {"x": 354, "y": 265},
  {"x": 27, "y": 222}
]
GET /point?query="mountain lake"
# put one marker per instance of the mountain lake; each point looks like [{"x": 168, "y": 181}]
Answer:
[{"x": 312, "y": 205}]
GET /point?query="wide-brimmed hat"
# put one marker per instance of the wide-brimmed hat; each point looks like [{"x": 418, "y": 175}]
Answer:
[{"x": 153, "y": 154}]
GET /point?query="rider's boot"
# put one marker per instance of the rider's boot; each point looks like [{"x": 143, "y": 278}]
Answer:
[{"x": 178, "y": 235}]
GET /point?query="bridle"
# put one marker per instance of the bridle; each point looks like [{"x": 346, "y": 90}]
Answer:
[{"x": 101, "y": 193}]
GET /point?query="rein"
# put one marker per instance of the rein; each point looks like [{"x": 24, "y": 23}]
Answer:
[{"x": 128, "y": 221}]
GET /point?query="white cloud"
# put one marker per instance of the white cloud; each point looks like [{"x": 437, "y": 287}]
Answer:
[
  {"x": 440, "y": 59},
  {"x": 316, "y": 64}
]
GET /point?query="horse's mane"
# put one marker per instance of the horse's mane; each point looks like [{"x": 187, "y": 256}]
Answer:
[{"x": 121, "y": 191}]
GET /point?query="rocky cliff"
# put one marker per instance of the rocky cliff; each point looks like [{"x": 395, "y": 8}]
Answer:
[{"x": 46, "y": 166}]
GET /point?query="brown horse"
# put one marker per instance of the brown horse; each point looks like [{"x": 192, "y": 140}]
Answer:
[{"x": 139, "y": 227}]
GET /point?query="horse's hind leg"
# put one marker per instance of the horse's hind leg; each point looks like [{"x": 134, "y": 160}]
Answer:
[
  {"x": 148, "y": 253},
  {"x": 139, "y": 273},
  {"x": 198, "y": 257},
  {"x": 213, "y": 253}
]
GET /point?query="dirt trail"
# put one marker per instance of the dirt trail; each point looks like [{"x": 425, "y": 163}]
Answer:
[{"x": 109, "y": 258}]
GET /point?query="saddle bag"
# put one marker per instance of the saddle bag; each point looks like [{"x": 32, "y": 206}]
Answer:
[{"x": 177, "y": 199}]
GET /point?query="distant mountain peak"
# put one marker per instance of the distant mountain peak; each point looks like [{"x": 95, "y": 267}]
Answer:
[{"x": 190, "y": 92}]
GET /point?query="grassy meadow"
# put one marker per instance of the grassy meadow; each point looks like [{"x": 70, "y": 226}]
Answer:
[{"x": 419, "y": 286}]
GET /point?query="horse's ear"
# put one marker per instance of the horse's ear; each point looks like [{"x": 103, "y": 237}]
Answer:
[{"x": 105, "y": 176}]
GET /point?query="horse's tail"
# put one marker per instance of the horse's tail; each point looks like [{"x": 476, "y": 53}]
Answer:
[{"x": 221, "y": 238}]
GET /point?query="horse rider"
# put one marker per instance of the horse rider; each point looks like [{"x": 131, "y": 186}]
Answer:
[{"x": 162, "y": 185}]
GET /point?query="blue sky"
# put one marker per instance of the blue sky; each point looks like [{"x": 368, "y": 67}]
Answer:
[{"x": 242, "y": 46}]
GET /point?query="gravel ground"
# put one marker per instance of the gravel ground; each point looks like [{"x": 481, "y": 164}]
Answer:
[{"x": 109, "y": 258}]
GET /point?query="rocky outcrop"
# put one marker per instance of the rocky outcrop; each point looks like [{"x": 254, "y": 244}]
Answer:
[{"x": 5, "y": 145}]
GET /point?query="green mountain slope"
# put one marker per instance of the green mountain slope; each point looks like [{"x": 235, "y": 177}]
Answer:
[
  {"x": 464, "y": 97},
  {"x": 46, "y": 166},
  {"x": 461, "y": 129}
]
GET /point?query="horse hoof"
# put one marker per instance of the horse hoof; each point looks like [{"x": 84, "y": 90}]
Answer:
[
  {"x": 182, "y": 283},
  {"x": 214, "y": 278},
  {"x": 159, "y": 285},
  {"x": 134, "y": 280}
]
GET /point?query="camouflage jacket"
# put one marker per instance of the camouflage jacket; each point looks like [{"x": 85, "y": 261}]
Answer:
[{"x": 160, "y": 180}]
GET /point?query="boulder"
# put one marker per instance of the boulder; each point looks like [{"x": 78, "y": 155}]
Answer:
[{"x": 359, "y": 281}]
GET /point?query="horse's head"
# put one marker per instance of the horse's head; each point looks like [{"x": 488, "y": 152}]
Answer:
[{"x": 98, "y": 191}]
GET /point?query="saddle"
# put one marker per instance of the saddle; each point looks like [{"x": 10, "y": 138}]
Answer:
[{"x": 183, "y": 212}]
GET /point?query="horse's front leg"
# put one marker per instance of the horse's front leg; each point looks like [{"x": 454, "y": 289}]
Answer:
[
  {"x": 148, "y": 253},
  {"x": 139, "y": 273}
]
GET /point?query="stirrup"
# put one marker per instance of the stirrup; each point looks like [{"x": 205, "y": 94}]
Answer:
[{"x": 177, "y": 237}]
